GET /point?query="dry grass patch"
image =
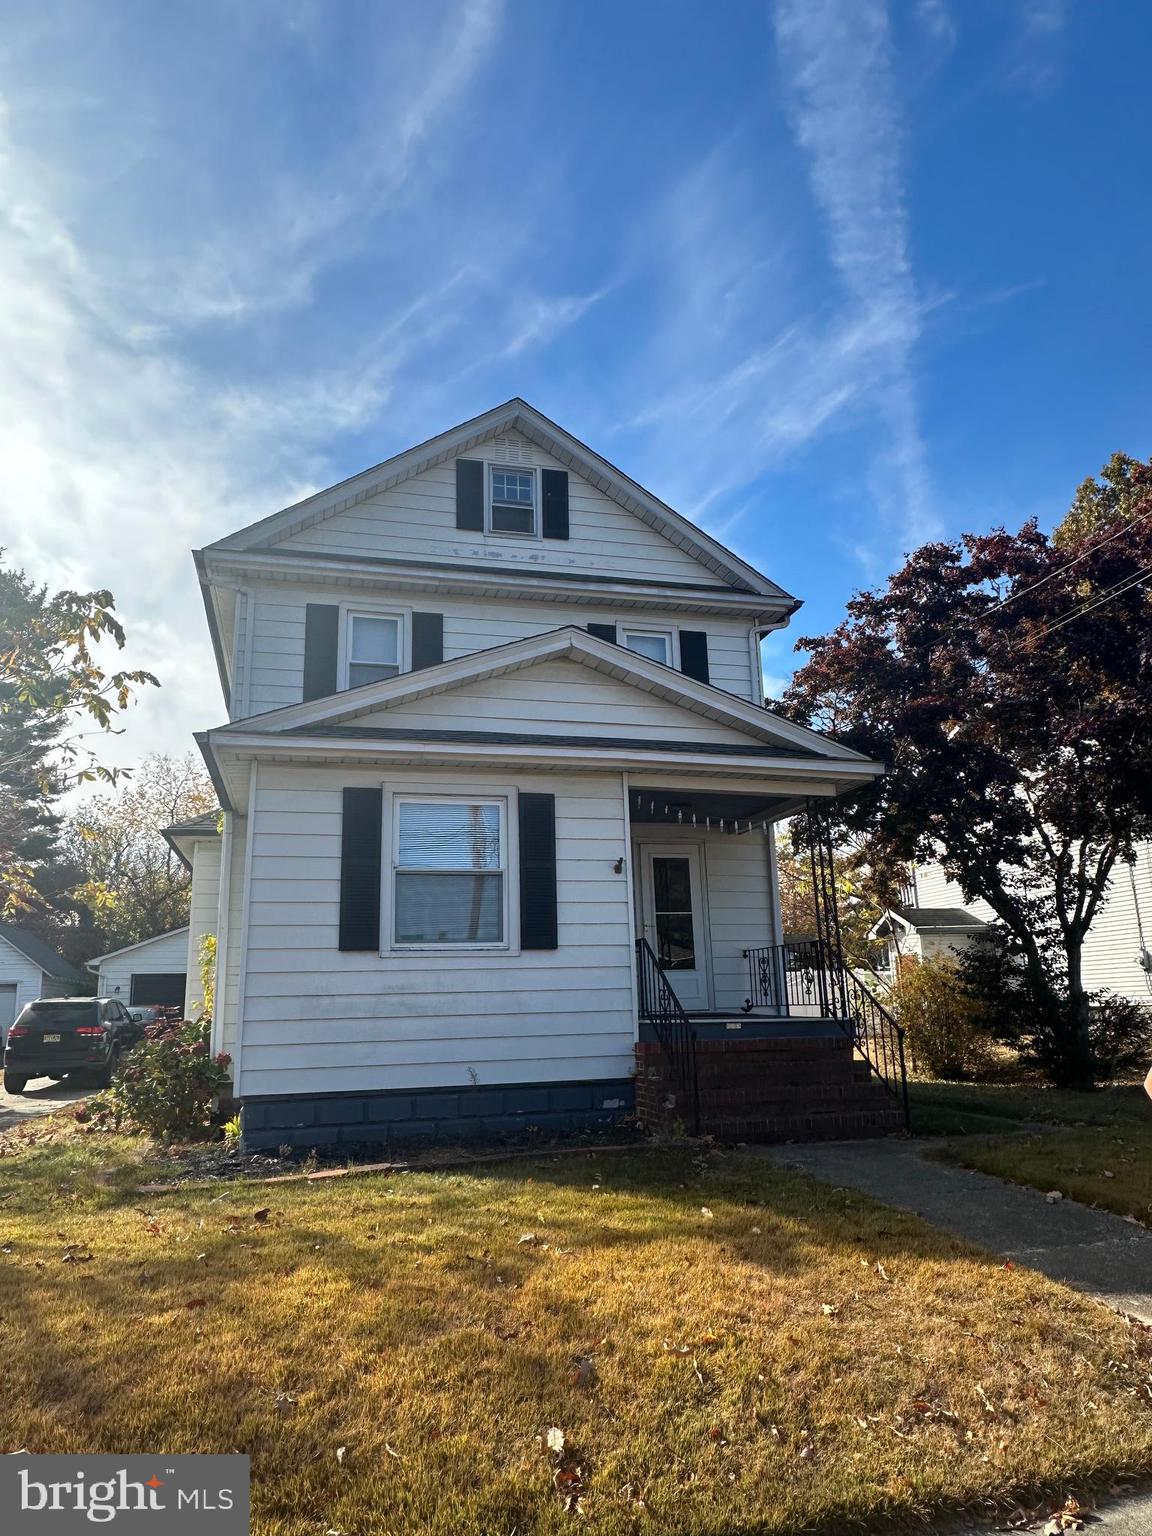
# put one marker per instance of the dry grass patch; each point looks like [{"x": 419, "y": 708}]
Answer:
[
  {"x": 1111, "y": 1168},
  {"x": 725, "y": 1346}
]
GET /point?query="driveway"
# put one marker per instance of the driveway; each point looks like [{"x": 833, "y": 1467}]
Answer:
[{"x": 40, "y": 1098}]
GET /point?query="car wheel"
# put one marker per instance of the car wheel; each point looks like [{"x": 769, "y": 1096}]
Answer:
[
  {"x": 115, "y": 1062},
  {"x": 14, "y": 1082}
]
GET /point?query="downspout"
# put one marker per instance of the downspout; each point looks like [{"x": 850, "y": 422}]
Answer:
[{"x": 756, "y": 633}]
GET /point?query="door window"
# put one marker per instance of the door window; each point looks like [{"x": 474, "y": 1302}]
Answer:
[{"x": 672, "y": 910}]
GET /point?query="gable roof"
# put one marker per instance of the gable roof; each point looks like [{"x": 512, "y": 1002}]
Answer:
[
  {"x": 96, "y": 960},
  {"x": 514, "y": 415},
  {"x": 929, "y": 920},
  {"x": 338, "y": 713},
  {"x": 49, "y": 960},
  {"x": 191, "y": 832}
]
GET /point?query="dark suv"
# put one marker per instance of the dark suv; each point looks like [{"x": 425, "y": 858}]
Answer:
[{"x": 74, "y": 1037}]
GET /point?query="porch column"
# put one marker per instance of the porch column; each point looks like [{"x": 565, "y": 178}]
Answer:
[{"x": 820, "y": 851}]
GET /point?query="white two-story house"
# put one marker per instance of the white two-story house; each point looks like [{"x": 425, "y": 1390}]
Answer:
[{"x": 495, "y": 725}]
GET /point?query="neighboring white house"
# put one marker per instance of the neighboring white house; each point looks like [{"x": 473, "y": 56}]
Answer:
[
  {"x": 153, "y": 971},
  {"x": 494, "y": 712},
  {"x": 1117, "y": 950},
  {"x": 926, "y": 933},
  {"x": 29, "y": 969}
]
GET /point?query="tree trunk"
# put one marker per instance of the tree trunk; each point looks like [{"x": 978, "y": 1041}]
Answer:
[{"x": 1078, "y": 1068}]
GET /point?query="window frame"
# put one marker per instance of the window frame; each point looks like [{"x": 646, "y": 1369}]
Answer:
[
  {"x": 494, "y": 468},
  {"x": 667, "y": 632},
  {"x": 509, "y": 864},
  {"x": 344, "y": 662}
]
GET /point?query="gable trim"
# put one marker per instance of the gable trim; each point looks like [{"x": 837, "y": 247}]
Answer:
[
  {"x": 97, "y": 960},
  {"x": 514, "y": 415},
  {"x": 568, "y": 643}
]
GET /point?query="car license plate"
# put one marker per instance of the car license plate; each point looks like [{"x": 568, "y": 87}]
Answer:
[{"x": 51, "y": 1039}]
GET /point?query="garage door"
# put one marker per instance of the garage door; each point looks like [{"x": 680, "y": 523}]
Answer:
[
  {"x": 7, "y": 1006},
  {"x": 165, "y": 987}
]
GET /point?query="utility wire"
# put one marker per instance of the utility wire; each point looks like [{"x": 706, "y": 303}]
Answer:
[
  {"x": 1091, "y": 550},
  {"x": 1114, "y": 591}
]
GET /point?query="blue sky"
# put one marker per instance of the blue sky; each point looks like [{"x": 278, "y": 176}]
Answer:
[{"x": 832, "y": 277}]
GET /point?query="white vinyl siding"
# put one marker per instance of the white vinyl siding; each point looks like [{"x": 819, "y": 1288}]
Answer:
[
  {"x": 228, "y": 985},
  {"x": 204, "y": 902},
  {"x": 470, "y": 625},
  {"x": 20, "y": 973},
  {"x": 165, "y": 955},
  {"x": 1113, "y": 941},
  {"x": 557, "y": 697},
  {"x": 317, "y": 1020},
  {"x": 416, "y": 521}
]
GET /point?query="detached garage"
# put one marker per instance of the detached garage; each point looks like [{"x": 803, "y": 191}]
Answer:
[
  {"x": 29, "y": 969},
  {"x": 153, "y": 971}
]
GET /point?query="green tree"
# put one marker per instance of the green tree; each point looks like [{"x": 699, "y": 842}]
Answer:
[
  {"x": 30, "y": 783},
  {"x": 131, "y": 881},
  {"x": 1112, "y": 501},
  {"x": 52, "y": 685}
]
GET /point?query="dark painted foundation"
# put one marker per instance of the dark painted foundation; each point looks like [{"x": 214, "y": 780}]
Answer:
[{"x": 442, "y": 1114}]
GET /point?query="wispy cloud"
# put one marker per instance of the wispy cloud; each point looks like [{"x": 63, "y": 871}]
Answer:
[
  {"x": 937, "y": 21},
  {"x": 836, "y": 60}
]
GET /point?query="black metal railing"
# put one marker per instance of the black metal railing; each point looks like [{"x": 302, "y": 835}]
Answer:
[
  {"x": 809, "y": 974},
  {"x": 662, "y": 1009}
]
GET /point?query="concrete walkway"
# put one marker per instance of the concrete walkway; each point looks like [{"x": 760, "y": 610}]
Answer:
[{"x": 1093, "y": 1251}]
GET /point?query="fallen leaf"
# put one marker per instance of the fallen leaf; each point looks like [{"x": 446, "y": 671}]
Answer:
[
  {"x": 262, "y": 1214},
  {"x": 584, "y": 1372},
  {"x": 554, "y": 1440},
  {"x": 828, "y": 1310},
  {"x": 195, "y": 1304},
  {"x": 706, "y": 1213},
  {"x": 1052, "y": 1196},
  {"x": 341, "y": 1452},
  {"x": 527, "y": 1237}
]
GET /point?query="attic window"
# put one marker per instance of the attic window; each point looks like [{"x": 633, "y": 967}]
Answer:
[{"x": 511, "y": 500}]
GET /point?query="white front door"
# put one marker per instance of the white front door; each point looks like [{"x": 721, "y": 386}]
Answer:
[{"x": 672, "y": 917}]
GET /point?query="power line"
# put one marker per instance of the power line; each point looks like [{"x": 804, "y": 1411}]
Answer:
[
  {"x": 1117, "y": 590},
  {"x": 1091, "y": 550}
]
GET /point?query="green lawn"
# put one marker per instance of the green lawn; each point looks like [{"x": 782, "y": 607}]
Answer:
[
  {"x": 1106, "y": 1166},
  {"x": 958, "y": 1108},
  {"x": 724, "y": 1346}
]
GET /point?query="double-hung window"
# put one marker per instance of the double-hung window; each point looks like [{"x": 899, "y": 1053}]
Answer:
[
  {"x": 449, "y": 872},
  {"x": 656, "y": 644},
  {"x": 373, "y": 648},
  {"x": 511, "y": 500}
]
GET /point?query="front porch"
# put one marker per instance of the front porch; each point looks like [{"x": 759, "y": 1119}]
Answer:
[{"x": 740, "y": 1031}]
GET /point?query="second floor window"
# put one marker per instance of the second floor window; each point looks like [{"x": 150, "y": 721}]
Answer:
[
  {"x": 656, "y": 644},
  {"x": 373, "y": 648},
  {"x": 512, "y": 502}
]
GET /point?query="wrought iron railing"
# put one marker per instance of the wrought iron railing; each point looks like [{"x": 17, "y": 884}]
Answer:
[
  {"x": 662, "y": 1009},
  {"x": 809, "y": 975}
]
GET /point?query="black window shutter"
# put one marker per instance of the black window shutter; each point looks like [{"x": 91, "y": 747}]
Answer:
[
  {"x": 603, "y": 632},
  {"x": 427, "y": 640},
  {"x": 554, "y": 487},
  {"x": 537, "y": 871},
  {"x": 470, "y": 495},
  {"x": 694, "y": 654},
  {"x": 321, "y": 644},
  {"x": 360, "y": 851}
]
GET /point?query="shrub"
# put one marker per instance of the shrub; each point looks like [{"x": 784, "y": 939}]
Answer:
[
  {"x": 167, "y": 1085},
  {"x": 945, "y": 1033},
  {"x": 1121, "y": 1035}
]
